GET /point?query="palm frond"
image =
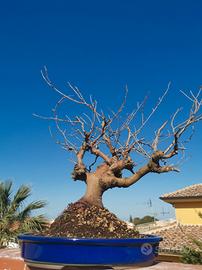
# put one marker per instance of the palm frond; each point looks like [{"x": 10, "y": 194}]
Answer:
[
  {"x": 14, "y": 219},
  {"x": 35, "y": 224},
  {"x": 5, "y": 192},
  {"x": 22, "y": 193},
  {"x": 25, "y": 213}
]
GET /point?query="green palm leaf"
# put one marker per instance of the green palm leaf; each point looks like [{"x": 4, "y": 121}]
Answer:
[
  {"x": 22, "y": 193},
  {"x": 25, "y": 213},
  {"x": 5, "y": 192},
  {"x": 35, "y": 224},
  {"x": 16, "y": 219}
]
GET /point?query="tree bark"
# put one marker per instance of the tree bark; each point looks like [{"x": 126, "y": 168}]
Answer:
[
  {"x": 94, "y": 191},
  {"x": 106, "y": 177}
]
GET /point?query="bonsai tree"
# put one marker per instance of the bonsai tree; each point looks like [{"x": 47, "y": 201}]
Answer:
[
  {"x": 15, "y": 217},
  {"x": 106, "y": 145}
]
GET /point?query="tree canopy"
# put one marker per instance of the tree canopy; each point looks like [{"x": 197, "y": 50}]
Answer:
[{"x": 115, "y": 141}]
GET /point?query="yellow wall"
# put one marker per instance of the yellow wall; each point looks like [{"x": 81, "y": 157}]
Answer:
[{"x": 187, "y": 212}]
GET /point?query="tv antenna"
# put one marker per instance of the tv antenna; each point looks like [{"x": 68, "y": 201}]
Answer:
[{"x": 164, "y": 212}]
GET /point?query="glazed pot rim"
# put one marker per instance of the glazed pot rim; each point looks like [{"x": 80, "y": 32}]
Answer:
[{"x": 52, "y": 239}]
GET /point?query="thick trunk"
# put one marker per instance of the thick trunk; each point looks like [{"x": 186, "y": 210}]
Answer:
[{"x": 94, "y": 191}]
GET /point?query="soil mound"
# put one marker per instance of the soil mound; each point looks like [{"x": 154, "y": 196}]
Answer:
[{"x": 81, "y": 220}]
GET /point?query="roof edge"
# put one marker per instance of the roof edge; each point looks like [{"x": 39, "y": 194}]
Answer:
[{"x": 181, "y": 199}]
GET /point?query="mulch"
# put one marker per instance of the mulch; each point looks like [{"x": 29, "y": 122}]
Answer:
[{"x": 82, "y": 220}]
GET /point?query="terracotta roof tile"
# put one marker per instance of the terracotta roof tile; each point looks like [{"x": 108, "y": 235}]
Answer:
[
  {"x": 194, "y": 191},
  {"x": 178, "y": 236}
]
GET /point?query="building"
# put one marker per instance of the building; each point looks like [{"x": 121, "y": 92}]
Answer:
[
  {"x": 187, "y": 203},
  {"x": 188, "y": 225}
]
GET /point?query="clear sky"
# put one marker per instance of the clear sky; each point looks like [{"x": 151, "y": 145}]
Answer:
[{"x": 99, "y": 46}]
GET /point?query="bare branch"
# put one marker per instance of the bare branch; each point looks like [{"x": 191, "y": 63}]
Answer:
[
  {"x": 98, "y": 134},
  {"x": 122, "y": 105},
  {"x": 158, "y": 134},
  {"x": 92, "y": 164},
  {"x": 109, "y": 144},
  {"x": 97, "y": 152},
  {"x": 155, "y": 108},
  {"x": 182, "y": 127},
  {"x": 128, "y": 181}
]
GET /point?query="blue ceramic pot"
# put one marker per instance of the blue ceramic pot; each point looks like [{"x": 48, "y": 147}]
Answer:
[{"x": 37, "y": 250}]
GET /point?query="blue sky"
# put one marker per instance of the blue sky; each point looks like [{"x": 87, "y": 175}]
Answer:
[{"x": 99, "y": 46}]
